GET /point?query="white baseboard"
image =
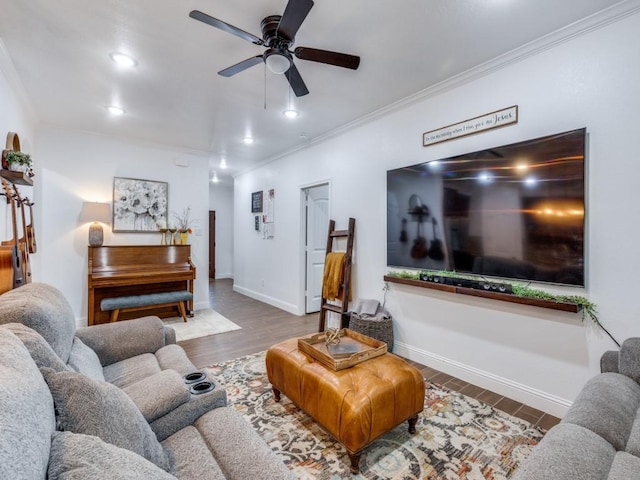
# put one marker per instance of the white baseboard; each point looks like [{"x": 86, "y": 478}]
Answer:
[
  {"x": 287, "y": 307},
  {"x": 220, "y": 276},
  {"x": 532, "y": 397}
]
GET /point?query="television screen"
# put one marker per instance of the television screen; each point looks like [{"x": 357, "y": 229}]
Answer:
[{"x": 515, "y": 211}]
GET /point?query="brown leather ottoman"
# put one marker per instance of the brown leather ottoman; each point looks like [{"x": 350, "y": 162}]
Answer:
[{"x": 355, "y": 405}]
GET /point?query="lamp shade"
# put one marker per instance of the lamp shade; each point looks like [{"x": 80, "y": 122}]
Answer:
[{"x": 95, "y": 212}]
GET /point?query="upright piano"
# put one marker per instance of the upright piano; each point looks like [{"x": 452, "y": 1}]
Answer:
[{"x": 121, "y": 270}]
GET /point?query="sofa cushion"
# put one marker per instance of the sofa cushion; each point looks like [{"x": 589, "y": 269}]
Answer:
[
  {"x": 158, "y": 394},
  {"x": 625, "y": 467},
  {"x": 84, "y": 405},
  {"x": 77, "y": 457},
  {"x": 568, "y": 452},
  {"x": 607, "y": 405},
  {"x": 41, "y": 352},
  {"x": 84, "y": 360},
  {"x": 229, "y": 438},
  {"x": 26, "y": 417},
  {"x": 191, "y": 456},
  {"x": 131, "y": 370},
  {"x": 633, "y": 443},
  {"x": 45, "y": 309},
  {"x": 134, "y": 369}
]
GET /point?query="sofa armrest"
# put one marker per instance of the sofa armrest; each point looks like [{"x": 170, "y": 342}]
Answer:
[
  {"x": 159, "y": 394},
  {"x": 169, "y": 335},
  {"x": 609, "y": 361},
  {"x": 629, "y": 358},
  {"x": 114, "y": 342},
  {"x": 187, "y": 413}
]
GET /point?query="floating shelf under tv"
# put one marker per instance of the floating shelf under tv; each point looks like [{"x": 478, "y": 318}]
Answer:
[{"x": 505, "y": 297}]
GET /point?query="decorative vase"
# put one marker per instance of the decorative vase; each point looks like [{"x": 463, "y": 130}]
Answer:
[
  {"x": 184, "y": 238},
  {"x": 163, "y": 238},
  {"x": 17, "y": 167}
]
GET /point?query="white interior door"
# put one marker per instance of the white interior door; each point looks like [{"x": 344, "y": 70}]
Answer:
[{"x": 317, "y": 227}]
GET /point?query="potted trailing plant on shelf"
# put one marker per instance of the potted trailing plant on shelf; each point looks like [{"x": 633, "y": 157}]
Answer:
[
  {"x": 587, "y": 307},
  {"x": 19, "y": 161}
]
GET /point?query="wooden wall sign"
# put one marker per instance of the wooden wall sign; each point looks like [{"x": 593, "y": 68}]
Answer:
[{"x": 499, "y": 118}]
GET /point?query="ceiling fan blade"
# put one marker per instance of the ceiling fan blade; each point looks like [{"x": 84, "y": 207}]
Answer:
[
  {"x": 239, "y": 67},
  {"x": 296, "y": 82},
  {"x": 214, "y": 22},
  {"x": 294, "y": 14},
  {"x": 325, "y": 56}
]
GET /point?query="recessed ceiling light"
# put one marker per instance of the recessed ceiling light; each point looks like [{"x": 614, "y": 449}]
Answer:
[
  {"x": 113, "y": 110},
  {"x": 123, "y": 59},
  {"x": 223, "y": 163},
  {"x": 214, "y": 179},
  {"x": 291, "y": 113},
  {"x": 248, "y": 140}
]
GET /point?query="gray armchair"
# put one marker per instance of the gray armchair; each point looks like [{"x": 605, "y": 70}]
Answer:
[{"x": 599, "y": 437}]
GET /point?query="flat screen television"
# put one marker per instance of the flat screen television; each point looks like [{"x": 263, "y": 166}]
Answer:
[{"x": 514, "y": 212}]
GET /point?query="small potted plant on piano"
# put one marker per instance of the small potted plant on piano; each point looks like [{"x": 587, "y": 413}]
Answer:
[
  {"x": 19, "y": 162},
  {"x": 184, "y": 223}
]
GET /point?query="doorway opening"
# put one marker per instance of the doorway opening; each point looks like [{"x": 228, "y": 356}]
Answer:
[{"x": 316, "y": 225}]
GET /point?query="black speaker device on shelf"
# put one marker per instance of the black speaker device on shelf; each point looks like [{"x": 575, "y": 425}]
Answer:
[{"x": 486, "y": 285}]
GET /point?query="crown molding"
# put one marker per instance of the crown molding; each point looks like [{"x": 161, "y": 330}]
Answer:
[{"x": 603, "y": 18}]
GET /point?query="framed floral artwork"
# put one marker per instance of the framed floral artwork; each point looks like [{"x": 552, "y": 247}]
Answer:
[{"x": 139, "y": 205}]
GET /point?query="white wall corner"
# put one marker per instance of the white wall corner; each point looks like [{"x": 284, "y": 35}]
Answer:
[{"x": 286, "y": 306}]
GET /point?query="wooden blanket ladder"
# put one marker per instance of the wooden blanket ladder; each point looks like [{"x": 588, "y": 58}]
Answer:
[{"x": 346, "y": 283}]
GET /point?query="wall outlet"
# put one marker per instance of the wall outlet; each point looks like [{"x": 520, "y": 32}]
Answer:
[{"x": 262, "y": 282}]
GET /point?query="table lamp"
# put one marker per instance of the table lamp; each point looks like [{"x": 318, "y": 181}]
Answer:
[{"x": 95, "y": 212}]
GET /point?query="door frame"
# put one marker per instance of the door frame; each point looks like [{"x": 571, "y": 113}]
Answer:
[
  {"x": 302, "y": 239},
  {"x": 212, "y": 244}
]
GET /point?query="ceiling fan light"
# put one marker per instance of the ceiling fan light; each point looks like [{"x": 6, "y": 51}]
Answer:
[
  {"x": 123, "y": 59},
  {"x": 115, "y": 111},
  {"x": 277, "y": 62}
]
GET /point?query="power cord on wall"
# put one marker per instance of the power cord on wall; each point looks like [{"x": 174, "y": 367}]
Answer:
[{"x": 385, "y": 289}]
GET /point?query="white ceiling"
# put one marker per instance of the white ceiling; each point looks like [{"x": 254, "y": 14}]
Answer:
[{"x": 174, "y": 97}]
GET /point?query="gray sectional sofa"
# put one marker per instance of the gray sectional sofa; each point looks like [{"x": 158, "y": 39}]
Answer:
[
  {"x": 599, "y": 437},
  {"x": 110, "y": 401}
]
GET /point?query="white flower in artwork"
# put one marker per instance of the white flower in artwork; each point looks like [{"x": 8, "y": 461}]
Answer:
[{"x": 139, "y": 205}]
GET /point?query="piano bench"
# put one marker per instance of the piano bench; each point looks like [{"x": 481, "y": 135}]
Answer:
[{"x": 146, "y": 301}]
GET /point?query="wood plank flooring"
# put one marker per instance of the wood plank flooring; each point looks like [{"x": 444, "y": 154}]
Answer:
[{"x": 264, "y": 325}]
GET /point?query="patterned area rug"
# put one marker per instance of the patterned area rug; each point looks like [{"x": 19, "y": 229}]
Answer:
[
  {"x": 204, "y": 323},
  {"x": 457, "y": 437}
]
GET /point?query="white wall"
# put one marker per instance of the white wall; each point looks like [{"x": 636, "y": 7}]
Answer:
[
  {"x": 73, "y": 167},
  {"x": 15, "y": 116},
  {"x": 221, "y": 200},
  {"x": 538, "y": 356}
]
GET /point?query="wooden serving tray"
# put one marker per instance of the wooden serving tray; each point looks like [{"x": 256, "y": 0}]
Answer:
[{"x": 367, "y": 347}]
